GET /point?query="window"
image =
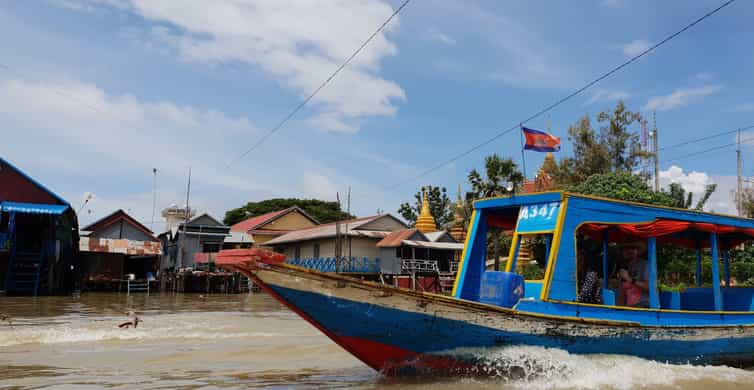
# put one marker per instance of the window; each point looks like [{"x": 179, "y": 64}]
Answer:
[
  {"x": 316, "y": 251},
  {"x": 297, "y": 252}
]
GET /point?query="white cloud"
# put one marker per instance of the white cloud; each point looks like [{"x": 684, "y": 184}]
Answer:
[
  {"x": 299, "y": 43},
  {"x": 679, "y": 98},
  {"x": 108, "y": 144},
  {"x": 744, "y": 107},
  {"x": 606, "y": 96},
  {"x": 693, "y": 181},
  {"x": 635, "y": 47},
  {"x": 438, "y": 36},
  {"x": 721, "y": 200}
]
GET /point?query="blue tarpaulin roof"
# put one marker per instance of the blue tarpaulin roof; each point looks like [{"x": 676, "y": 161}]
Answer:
[{"x": 33, "y": 208}]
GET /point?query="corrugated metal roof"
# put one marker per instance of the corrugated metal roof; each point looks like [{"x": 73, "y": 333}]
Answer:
[
  {"x": 122, "y": 246},
  {"x": 434, "y": 236},
  {"x": 238, "y": 238},
  {"x": 328, "y": 230},
  {"x": 434, "y": 245},
  {"x": 116, "y": 216},
  {"x": 31, "y": 179},
  {"x": 395, "y": 239},
  {"x": 260, "y": 220},
  {"x": 33, "y": 208}
]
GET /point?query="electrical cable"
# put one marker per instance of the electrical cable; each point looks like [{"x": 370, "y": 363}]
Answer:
[
  {"x": 319, "y": 88},
  {"x": 560, "y": 101}
]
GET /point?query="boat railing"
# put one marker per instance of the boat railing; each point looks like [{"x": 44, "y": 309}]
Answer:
[
  {"x": 419, "y": 265},
  {"x": 332, "y": 264}
]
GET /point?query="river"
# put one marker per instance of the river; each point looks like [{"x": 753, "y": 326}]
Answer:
[{"x": 246, "y": 341}]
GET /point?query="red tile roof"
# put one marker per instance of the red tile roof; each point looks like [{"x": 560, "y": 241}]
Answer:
[{"x": 251, "y": 223}]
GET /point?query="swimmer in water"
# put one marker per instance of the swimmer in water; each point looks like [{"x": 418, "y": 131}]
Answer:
[{"x": 133, "y": 320}]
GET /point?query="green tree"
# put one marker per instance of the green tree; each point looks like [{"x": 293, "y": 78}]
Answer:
[
  {"x": 440, "y": 207},
  {"x": 615, "y": 148},
  {"x": 502, "y": 177},
  {"x": 320, "y": 210},
  {"x": 623, "y": 186}
]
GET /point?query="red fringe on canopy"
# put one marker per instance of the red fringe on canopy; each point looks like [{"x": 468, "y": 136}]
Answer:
[
  {"x": 664, "y": 230},
  {"x": 502, "y": 221}
]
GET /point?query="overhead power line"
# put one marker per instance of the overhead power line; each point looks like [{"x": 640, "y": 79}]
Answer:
[
  {"x": 712, "y": 149},
  {"x": 319, "y": 88},
  {"x": 562, "y": 100},
  {"x": 684, "y": 143}
]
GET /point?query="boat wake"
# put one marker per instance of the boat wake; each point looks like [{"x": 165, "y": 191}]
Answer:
[
  {"x": 163, "y": 327},
  {"x": 537, "y": 367}
]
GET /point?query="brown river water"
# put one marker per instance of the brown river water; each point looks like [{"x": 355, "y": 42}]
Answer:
[{"x": 250, "y": 341}]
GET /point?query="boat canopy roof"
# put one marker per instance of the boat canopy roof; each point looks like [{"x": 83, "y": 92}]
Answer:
[{"x": 625, "y": 220}]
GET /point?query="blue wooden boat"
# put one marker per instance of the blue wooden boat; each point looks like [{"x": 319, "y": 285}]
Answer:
[{"x": 393, "y": 330}]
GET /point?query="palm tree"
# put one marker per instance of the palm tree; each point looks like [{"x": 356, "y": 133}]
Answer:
[
  {"x": 684, "y": 200},
  {"x": 502, "y": 178}
]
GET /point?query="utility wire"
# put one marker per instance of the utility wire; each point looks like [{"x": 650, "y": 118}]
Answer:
[
  {"x": 324, "y": 84},
  {"x": 712, "y": 149},
  {"x": 707, "y": 137},
  {"x": 561, "y": 101}
]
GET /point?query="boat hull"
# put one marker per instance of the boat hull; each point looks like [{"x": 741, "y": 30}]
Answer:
[{"x": 399, "y": 331}]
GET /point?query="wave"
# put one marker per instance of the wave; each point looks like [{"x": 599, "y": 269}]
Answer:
[
  {"x": 545, "y": 368},
  {"x": 104, "y": 330}
]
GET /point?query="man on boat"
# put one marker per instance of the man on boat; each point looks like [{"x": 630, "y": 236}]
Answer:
[{"x": 634, "y": 278}]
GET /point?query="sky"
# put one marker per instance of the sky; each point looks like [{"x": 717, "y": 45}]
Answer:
[{"x": 95, "y": 94}]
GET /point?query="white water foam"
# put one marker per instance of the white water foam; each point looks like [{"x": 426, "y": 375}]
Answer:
[
  {"x": 164, "y": 327},
  {"x": 544, "y": 368}
]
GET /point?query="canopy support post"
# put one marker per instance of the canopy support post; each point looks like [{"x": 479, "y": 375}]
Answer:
[
  {"x": 604, "y": 258},
  {"x": 698, "y": 262},
  {"x": 515, "y": 249},
  {"x": 716, "y": 292},
  {"x": 654, "y": 296},
  {"x": 726, "y": 264}
]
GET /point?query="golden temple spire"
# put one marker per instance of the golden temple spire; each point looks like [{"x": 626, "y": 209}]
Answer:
[
  {"x": 425, "y": 223},
  {"x": 457, "y": 231}
]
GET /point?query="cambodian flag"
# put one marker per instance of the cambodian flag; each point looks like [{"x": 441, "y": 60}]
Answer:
[{"x": 540, "y": 141}]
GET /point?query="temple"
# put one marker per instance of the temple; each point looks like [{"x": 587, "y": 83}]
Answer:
[{"x": 425, "y": 223}]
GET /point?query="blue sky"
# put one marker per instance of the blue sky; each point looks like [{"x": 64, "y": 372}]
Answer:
[{"x": 96, "y": 93}]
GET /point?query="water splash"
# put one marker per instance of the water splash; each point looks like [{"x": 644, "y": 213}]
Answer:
[
  {"x": 166, "y": 327},
  {"x": 545, "y": 368}
]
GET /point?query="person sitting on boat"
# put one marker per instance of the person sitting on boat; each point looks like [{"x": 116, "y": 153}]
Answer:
[
  {"x": 634, "y": 278},
  {"x": 590, "y": 287}
]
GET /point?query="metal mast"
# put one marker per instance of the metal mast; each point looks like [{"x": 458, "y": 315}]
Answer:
[
  {"x": 656, "y": 152},
  {"x": 739, "y": 177}
]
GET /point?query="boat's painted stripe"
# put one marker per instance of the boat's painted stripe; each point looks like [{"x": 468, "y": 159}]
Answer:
[
  {"x": 458, "y": 284},
  {"x": 434, "y": 334},
  {"x": 554, "y": 249}
]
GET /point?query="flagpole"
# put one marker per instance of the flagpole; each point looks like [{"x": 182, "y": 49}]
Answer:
[{"x": 523, "y": 155}]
